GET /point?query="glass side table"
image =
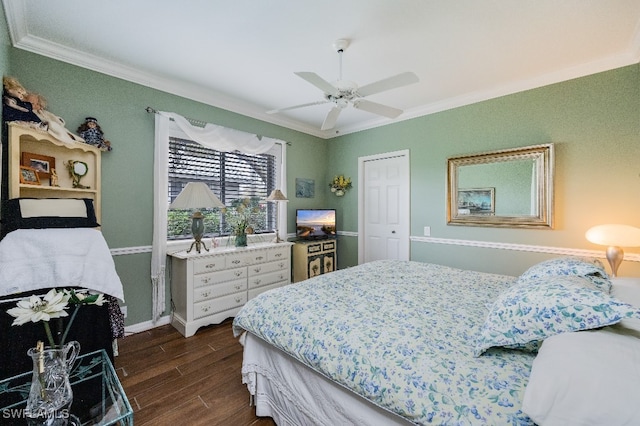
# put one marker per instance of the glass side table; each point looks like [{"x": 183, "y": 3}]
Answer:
[{"x": 98, "y": 397}]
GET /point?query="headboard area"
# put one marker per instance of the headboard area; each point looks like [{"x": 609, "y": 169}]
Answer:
[
  {"x": 55, "y": 243},
  {"x": 39, "y": 213}
]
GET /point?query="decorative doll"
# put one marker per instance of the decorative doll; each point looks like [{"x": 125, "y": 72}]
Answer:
[
  {"x": 55, "y": 125},
  {"x": 93, "y": 134},
  {"x": 15, "y": 107}
]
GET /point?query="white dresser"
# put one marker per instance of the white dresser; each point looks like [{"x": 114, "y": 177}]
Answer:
[{"x": 209, "y": 287}]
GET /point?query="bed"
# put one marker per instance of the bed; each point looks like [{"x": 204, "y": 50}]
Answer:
[{"x": 393, "y": 342}]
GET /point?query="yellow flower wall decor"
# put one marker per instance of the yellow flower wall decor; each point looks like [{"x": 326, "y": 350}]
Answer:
[{"x": 339, "y": 185}]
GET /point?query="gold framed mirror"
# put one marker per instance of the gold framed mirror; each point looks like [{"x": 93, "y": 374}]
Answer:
[{"x": 510, "y": 188}]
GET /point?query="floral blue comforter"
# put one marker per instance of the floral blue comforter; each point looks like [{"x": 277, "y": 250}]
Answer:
[{"x": 401, "y": 334}]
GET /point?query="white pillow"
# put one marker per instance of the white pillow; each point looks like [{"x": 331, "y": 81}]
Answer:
[
  {"x": 585, "y": 378},
  {"x": 627, "y": 289}
]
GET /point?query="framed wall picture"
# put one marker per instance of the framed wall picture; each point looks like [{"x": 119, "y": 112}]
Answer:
[
  {"x": 42, "y": 163},
  {"x": 305, "y": 188},
  {"x": 29, "y": 175},
  {"x": 476, "y": 201}
]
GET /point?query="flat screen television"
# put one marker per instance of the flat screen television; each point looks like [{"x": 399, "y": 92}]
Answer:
[{"x": 315, "y": 223}]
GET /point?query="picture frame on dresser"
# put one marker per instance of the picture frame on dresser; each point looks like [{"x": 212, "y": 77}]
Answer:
[
  {"x": 42, "y": 163},
  {"x": 29, "y": 175}
]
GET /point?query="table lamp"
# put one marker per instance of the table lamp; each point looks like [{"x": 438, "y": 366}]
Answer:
[
  {"x": 277, "y": 196},
  {"x": 615, "y": 236},
  {"x": 196, "y": 195}
]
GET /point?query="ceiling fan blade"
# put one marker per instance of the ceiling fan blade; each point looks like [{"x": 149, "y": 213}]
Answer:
[
  {"x": 318, "y": 81},
  {"x": 399, "y": 80},
  {"x": 331, "y": 118},
  {"x": 377, "y": 108},
  {"x": 275, "y": 111}
]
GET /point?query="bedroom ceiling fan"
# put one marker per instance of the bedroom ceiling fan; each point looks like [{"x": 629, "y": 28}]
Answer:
[{"x": 342, "y": 92}]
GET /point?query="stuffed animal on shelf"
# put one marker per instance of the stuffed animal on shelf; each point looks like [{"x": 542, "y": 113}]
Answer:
[
  {"x": 15, "y": 106},
  {"x": 55, "y": 125},
  {"x": 93, "y": 134}
]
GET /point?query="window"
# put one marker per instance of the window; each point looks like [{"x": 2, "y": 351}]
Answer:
[{"x": 236, "y": 179}]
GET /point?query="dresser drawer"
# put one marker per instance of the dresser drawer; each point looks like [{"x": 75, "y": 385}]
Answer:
[
  {"x": 237, "y": 260},
  {"x": 328, "y": 246},
  {"x": 270, "y": 278},
  {"x": 208, "y": 264},
  {"x": 314, "y": 248},
  {"x": 258, "y": 257},
  {"x": 278, "y": 265},
  {"x": 212, "y": 291},
  {"x": 279, "y": 253},
  {"x": 219, "y": 277},
  {"x": 210, "y": 307}
]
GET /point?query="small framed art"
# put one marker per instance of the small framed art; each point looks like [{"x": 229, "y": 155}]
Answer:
[
  {"x": 29, "y": 175},
  {"x": 42, "y": 163},
  {"x": 305, "y": 188},
  {"x": 476, "y": 201}
]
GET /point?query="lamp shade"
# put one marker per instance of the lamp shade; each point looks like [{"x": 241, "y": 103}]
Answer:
[
  {"x": 196, "y": 195},
  {"x": 614, "y": 235},
  {"x": 276, "y": 195}
]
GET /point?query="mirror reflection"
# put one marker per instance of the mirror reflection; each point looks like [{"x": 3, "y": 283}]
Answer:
[{"x": 507, "y": 188}]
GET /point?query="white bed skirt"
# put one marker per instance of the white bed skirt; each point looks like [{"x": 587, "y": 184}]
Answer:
[{"x": 293, "y": 394}]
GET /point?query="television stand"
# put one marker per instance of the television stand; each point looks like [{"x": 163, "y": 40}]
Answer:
[{"x": 313, "y": 257}]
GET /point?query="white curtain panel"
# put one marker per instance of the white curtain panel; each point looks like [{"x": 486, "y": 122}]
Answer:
[
  {"x": 160, "y": 207},
  {"x": 214, "y": 137}
]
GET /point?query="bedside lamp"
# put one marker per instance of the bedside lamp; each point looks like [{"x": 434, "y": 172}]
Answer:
[
  {"x": 196, "y": 195},
  {"x": 277, "y": 196},
  {"x": 614, "y": 236}
]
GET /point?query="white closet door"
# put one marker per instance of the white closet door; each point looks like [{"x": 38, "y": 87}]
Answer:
[{"x": 384, "y": 206}]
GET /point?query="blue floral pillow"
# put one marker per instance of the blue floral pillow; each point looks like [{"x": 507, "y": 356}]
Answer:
[
  {"x": 529, "y": 312},
  {"x": 589, "y": 268}
]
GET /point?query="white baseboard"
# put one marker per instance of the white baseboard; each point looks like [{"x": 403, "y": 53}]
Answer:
[{"x": 147, "y": 325}]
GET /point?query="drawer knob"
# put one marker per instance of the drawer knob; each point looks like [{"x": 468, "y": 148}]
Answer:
[
  {"x": 238, "y": 273},
  {"x": 206, "y": 294},
  {"x": 235, "y": 261},
  {"x": 238, "y": 299},
  {"x": 238, "y": 286},
  {"x": 210, "y": 265},
  {"x": 257, "y": 270},
  {"x": 281, "y": 265},
  {"x": 205, "y": 309},
  {"x": 278, "y": 254},
  {"x": 259, "y": 257}
]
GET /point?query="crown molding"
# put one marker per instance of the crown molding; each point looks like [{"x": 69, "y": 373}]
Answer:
[{"x": 21, "y": 39}]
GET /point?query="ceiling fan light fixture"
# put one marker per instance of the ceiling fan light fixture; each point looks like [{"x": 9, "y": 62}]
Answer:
[{"x": 341, "y": 93}]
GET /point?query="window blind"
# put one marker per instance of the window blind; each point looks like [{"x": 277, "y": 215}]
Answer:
[{"x": 232, "y": 176}]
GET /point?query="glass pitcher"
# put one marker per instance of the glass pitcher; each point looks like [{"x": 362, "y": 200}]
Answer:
[{"x": 50, "y": 396}]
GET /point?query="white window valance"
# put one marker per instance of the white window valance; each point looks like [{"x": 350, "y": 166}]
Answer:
[
  {"x": 212, "y": 136},
  {"x": 222, "y": 138}
]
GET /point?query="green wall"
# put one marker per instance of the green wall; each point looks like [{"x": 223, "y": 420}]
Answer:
[
  {"x": 74, "y": 93},
  {"x": 594, "y": 122}
]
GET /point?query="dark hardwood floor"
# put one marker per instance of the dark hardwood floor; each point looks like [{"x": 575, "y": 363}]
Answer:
[{"x": 170, "y": 380}]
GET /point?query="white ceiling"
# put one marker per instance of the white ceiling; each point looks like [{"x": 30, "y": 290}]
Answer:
[{"x": 241, "y": 55}]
